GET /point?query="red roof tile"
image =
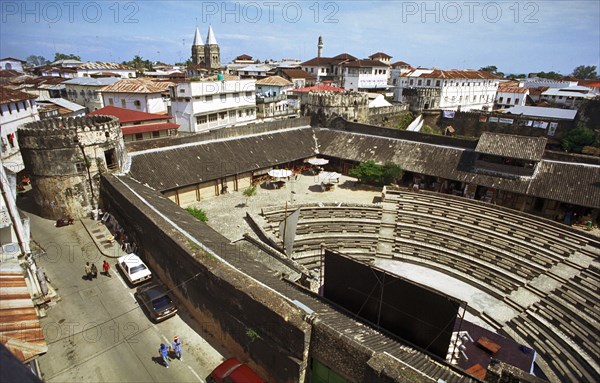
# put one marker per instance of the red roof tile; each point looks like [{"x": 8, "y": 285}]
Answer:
[
  {"x": 297, "y": 73},
  {"x": 128, "y": 115},
  {"x": 148, "y": 128},
  {"x": 364, "y": 63},
  {"x": 380, "y": 54}
]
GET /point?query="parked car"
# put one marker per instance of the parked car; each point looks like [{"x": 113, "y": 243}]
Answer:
[
  {"x": 134, "y": 269},
  {"x": 157, "y": 301},
  {"x": 233, "y": 371}
]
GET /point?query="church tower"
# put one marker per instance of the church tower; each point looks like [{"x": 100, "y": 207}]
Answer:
[
  {"x": 198, "y": 50},
  {"x": 212, "y": 52}
]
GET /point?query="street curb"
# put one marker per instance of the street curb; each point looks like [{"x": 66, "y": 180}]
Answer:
[{"x": 96, "y": 242}]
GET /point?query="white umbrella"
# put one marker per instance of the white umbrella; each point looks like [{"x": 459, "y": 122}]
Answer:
[
  {"x": 318, "y": 161},
  {"x": 280, "y": 173},
  {"x": 328, "y": 176}
]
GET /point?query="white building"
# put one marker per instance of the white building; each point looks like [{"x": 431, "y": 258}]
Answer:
[
  {"x": 509, "y": 95},
  {"x": 16, "y": 108},
  {"x": 9, "y": 63},
  {"x": 209, "y": 104},
  {"x": 87, "y": 91},
  {"x": 380, "y": 56},
  {"x": 447, "y": 89},
  {"x": 140, "y": 94},
  {"x": 364, "y": 75},
  {"x": 271, "y": 98},
  {"x": 90, "y": 68},
  {"x": 570, "y": 97},
  {"x": 252, "y": 71},
  {"x": 397, "y": 69}
]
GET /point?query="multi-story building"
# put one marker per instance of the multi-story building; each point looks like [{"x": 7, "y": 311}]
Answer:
[
  {"x": 91, "y": 68},
  {"x": 364, "y": 75},
  {"x": 137, "y": 126},
  {"x": 569, "y": 97},
  {"x": 87, "y": 91},
  {"x": 140, "y": 94},
  {"x": 447, "y": 89},
  {"x": 9, "y": 63},
  {"x": 397, "y": 69},
  {"x": 213, "y": 103},
  {"x": 510, "y": 94},
  {"x": 271, "y": 98},
  {"x": 16, "y": 108}
]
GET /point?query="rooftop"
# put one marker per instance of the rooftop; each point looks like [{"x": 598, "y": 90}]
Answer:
[
  {"x": 274, "y": 81},
  {"x": 10, "y": 95},
  {"x": 128, "y": 115},
  {"x": 103, "y": 65},
  {"x": 537, "y": 111},
  {"x": 89, "y": 81},
  {"x": 451, "y": 74},
  {"x": 506, "y": 145},
  {"x": 319, "y": 88},
  {"x": 138, "y": 85}
]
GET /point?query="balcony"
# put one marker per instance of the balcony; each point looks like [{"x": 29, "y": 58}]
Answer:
[{"x": 267, "y": 100}]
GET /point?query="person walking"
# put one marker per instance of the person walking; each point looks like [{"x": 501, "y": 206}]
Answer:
[
  {"x": 106, "y": 268},
  {"x": 94, "y": 271},
  {"x": 164, "y": 353},
  {"x": 177, "y": 347},
  {"x": 88, "y": 271}
]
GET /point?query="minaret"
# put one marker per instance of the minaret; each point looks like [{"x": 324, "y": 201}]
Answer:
[
  {"x": 212, "y": 51},
  {"x": 320, "y": 46},
  {"x": 198, "y": 53}
]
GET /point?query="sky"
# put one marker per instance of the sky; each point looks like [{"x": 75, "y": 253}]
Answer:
[{"x": 515, "y": 36}]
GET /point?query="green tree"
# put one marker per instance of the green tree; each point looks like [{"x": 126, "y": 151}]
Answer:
[
  {"x": 492, "y": 69},
  {"x": 585, "y": 72},
  {"x": 368, "y": 172},
  {"x": 405, "y": 120},
  {"x": 576, "y": 139},
  {"x": 34, "y": 60},
  {"x": 139, "y": 64},
  {"x": 198, "y": 213},
  {"x": 63, "y": 56},
  {"x": 249, "y": 192},
  {"x": 391, "y": 173},
  {"x": 551, "y": 75}
]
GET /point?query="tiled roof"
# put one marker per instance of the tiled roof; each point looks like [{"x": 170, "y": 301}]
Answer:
[
  {"x": 380, "y": 54},
  {"x": 297, "y": 73},
  {"x": 508, "y": 145},
  {"x": 364, "y": 64},
  {"x": 319, "y": 88},
  {"x": 344, "y": 56},
  {"x": 10, "y": 95},
  {"x": 9, "y": 73},
  {"x": 103, "y": 65},
  {"x": 512, "y": 89},
  {"x": 12, "y": 59},
  {"x": 537, "y": 91},
  {"x": 453, "y": 74},
  {"x": 138, "y": 85},
  {"x": 319, "y": 61},
  {"x": 274, "y": 81},
  {"x": 59, "y": 70},
  {"x": 128, "y": 115},
  {"x": 148, "y": 128},
  {"x": 20, "y": 328},
  {"x": 400, "y": 63},
  {"x": 244, "y": 57}
]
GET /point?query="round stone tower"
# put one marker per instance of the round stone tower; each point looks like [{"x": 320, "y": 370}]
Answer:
[{"x": 65, "y": 158}]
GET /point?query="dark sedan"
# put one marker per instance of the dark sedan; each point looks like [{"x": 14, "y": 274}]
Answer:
[{"x": 155, "y": 298}]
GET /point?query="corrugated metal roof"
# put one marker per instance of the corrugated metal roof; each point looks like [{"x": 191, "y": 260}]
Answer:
[
  {"x": 508, "y": 145},
  {"x": 11, "y": 95},
  {"x": 90, "y": 81},
  {"x": 20, "y": 328},
  {"x": 138, "y": 85},
  {"x": 103, "y": 65},
  {"x": 65, "y": 104},
  {"x": 538, "y": 111}
]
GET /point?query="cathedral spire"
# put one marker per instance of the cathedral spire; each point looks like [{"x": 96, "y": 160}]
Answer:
[
  {"x": 197, "y": 38},
  {"x": 210, "y": 38}
]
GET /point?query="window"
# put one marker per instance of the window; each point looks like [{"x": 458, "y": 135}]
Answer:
[
  {"x": 156, "y": 134},
  {"x": 419, "y": 82},
  {"x": 516, "y": 101},
  {"x": 508, "y": 100},
  {"x": 411, "y": 81},
  {"x": 428, "y": 82},
  {"x": 474, "y": 98},
  {"x": 110, "y": 101},
  {"x": 123, "y": 103},
  {"x": 212, "y": 117},
  {"x": 248, "y": 94},
  {"x": 236, "y": 95},
  {"x": 139, "y": 136},
  {"x": 232, "y": 114},
  {"x": 437, "y": 83},
  {"x": 222, "y": 115},
  {"x": 223, "y": 97},
  {"x": 80, "y": 167},
  {"x": 208, "y": 98},
  {"x": 138, "y": 104},
  {"x": 500, "y": 100},
  {"x": 201, "y": 119},
  {"x": 181, "y": 90}
]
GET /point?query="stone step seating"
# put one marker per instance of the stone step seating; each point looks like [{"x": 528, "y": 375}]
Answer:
[
  {"x": 341, "y": 225},
  {"x": 582, "y": 333},
  {"x": 557, "y": 351},
  {"x": 485, "y": 278},
  {"x": 527, "y": 225},
  {"x": 474, "y": 247},
  {"x": 349, "y": 243},
  {"x": 548, "y": 253},
  {"x": 314, "y": 262},
  {"x": 326, "y": 212},
  {"x": 568, "y": 302}
]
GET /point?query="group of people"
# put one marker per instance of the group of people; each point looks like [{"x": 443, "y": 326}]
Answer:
[
  {"x": 91, "y": 271},
  {"x": 163, "y": 350}
]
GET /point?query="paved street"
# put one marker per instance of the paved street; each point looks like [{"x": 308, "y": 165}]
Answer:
[{"x": 98, "y": 332}]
